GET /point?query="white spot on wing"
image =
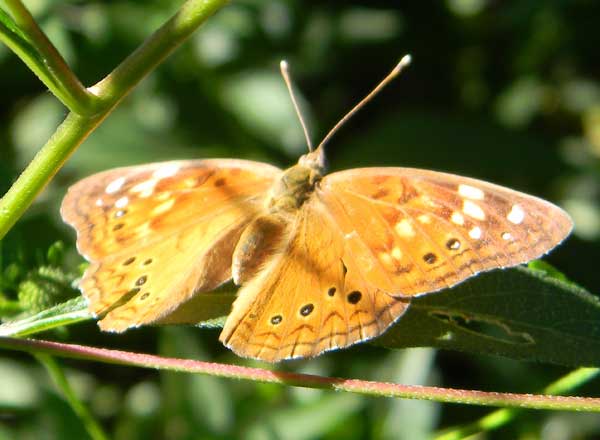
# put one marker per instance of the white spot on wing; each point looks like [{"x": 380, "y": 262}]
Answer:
[
  {"x": 386, "y": 260},
  {"x": 167, "y": 170},
  {"x": 475, "y": 233},
  {"x": 424, "y": 218},
  {"x": 351, "y": 235},
  {"x": 122, "y": 202},
  {"x": 99, "y": 202},
  {"x": 473, "y": 210},
  {"x": 145, "y": 188},
  {"x": 115, "y": 185},
  {"x": 506, "y": 236},
  {"x": 457, "y": 218},
  {"x": 516, "y": 215},
  {"x": 470, "y": 192},
  {"x": 404, "y": 228},
  {"x": 163, "y": 207},
  {"x": 396, "y": 253}
]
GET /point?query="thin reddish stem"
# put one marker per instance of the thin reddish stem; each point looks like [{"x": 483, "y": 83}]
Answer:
[{"x": 305, "y": 380}]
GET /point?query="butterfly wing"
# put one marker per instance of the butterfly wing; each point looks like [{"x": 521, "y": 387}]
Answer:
[
  {"x": 417, "y": 231},
  {"x": 311, "y": 296},
  {"x": 156, "y": 234}
]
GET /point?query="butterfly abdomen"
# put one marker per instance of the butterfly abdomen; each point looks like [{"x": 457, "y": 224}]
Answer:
[{"x": 258, "y": 243}]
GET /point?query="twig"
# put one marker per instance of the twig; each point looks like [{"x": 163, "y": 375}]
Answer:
[
  {"x": 370, "y": 388},
  {"x": 60, "y": 78}
]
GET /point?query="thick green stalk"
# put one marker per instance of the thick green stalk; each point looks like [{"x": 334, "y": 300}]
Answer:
[
  {"x": 46, "y": 62},
  {"x": 75, "y": 129}
]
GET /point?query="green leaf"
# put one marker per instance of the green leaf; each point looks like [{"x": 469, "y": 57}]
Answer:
[
  {"x": 518, "y": 313},
  {"x": 69, "y": 312}
]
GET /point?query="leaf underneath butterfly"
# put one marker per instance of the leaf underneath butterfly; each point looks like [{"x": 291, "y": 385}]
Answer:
[{"x": 518, "y": 313}]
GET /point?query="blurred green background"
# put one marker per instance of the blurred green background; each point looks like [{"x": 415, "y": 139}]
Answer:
[{"x": 507, "y": 91}]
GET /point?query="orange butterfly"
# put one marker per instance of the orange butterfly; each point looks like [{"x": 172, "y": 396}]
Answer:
[{"x": 324, "y": 261}]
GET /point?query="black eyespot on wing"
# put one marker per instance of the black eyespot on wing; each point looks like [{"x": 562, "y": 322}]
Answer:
[
  {"x": 141, "y": 280},
  {"x": 307, "y": 309},
  {"x": 145, "y": 295},
  {"x": 276, "y": 319},
  {"x": 128, "y": 261},
  {"x": 147, "y": 262},
  {"x": 430, "y": 258},
  {"x": 354, "y": 297},
  {"x": 118, "y": 226},
  {"x": 331, "y": 291},
  {"x": 453, "y": 244}
]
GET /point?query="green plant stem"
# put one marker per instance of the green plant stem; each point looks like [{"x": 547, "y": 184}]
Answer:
[
  {"x": 56, "y": 373},
  {"x": 144, "y": 59},
  {"x": 50, "y": 67},
  {"x": 43, "y": 167},
  {"x": 379, "y": 389},
  {"x": 75, "y": 129},
  {"x": 501, "y": 417}
]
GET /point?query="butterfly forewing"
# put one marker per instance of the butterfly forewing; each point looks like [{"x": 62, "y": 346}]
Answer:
[
  {"x": 157, "y": 234},
  {"x": 130, "y": 206},
  {"x": 417, "y": 231}
]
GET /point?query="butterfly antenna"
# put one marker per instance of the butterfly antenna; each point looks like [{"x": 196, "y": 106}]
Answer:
[
  {"x": 283, "y": 65},
  {"x": 405, "y": 61}
]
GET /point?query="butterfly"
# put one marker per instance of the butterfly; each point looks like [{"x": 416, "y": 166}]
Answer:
[{"x": 323, "y": 260}]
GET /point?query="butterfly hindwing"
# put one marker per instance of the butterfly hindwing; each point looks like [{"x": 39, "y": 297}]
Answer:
[{"x": 309, "y": 298}]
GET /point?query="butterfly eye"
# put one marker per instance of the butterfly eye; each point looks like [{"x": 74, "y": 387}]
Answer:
[
  {"x": 276, "y": 319},
  {"x": 430, "y": 258},
  {"x": 307, "y": 309},
  {"x": 354, "y": 297}
]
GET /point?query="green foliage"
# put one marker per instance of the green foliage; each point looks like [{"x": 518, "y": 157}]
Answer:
[
  {"x": 29, "y": 290},
  {"x": 521, "y": 314}
]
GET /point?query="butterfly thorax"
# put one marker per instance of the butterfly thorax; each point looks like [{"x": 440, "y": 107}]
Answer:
[{"x": 297, "y": 183}]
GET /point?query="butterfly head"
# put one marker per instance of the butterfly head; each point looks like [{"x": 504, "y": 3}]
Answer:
[{"x": 315, "y": 161}]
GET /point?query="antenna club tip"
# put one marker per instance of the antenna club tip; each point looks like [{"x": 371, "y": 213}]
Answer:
[{"x": 404, "y": 61}]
